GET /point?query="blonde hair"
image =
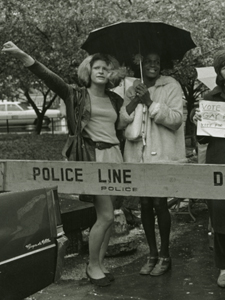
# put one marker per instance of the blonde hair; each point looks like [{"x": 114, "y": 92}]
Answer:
[{"x": 84, "y": 70}]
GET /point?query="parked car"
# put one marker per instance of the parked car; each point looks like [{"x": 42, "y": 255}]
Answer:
[
  {"x": 19, "y": 113},
  {"x": 32, "y": 242}
]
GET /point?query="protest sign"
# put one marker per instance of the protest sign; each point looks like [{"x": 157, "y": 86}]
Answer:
[{"x": 213, "y": 119}]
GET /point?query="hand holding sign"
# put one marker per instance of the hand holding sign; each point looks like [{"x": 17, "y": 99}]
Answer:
[
  {"x": 197, "y": 116},
  {"x": 212, "y": 121}
]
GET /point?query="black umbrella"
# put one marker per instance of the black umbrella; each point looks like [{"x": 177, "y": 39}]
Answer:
[{"x": 123, "y": 40}]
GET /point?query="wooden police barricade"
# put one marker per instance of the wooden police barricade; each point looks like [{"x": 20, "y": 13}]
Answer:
[
  {"x": 162, "y": 180},
  {"x": 171, "y": 180}
]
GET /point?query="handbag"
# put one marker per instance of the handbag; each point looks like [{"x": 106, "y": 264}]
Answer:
[
  {"x": 136, "y": 130},
  {"x": 76, "y": 148}
]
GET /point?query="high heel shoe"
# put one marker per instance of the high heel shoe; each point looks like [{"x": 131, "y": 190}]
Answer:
[
  {"x": 163, "y": 265},
  {"x": 101, "y": 282}
]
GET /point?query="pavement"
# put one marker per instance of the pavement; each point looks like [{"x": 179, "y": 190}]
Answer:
[{"x": 193, "y": 275}]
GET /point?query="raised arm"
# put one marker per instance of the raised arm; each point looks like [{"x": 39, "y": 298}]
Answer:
[
  {"x": 53, "y": 81},
  {"x": 16, "y": 52}
]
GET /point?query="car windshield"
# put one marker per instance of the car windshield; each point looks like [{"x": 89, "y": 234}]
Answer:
[{"x": 24, "y": 106}]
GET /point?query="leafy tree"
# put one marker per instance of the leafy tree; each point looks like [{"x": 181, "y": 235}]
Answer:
[
  {"x": 50, "y": 35},
  {"x": 53, "y": 32}
]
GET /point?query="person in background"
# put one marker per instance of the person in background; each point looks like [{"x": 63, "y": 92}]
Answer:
[
  {"x": 99, "y": 119},
  {"x": 215, "y": 154},
  {"x": 201, "y": 155},
  {"x": 164, "y": 142}
]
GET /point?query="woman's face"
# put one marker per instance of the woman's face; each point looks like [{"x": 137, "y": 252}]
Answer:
[
  {"x": 99, "y": 72},
  {"x": 222, "y": 72},
  {"x": 151, "y": 65}
]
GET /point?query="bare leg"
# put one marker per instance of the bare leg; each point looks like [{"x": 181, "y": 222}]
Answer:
[
  {"x": 99, "y": 235},
  {"x": 104, "y": 249},
  {"x": 148, "y": 221}
]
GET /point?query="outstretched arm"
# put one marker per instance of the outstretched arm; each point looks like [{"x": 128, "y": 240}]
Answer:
[
  {"x": 16, "y": 52},
  {"x": 53, "y": 81}
]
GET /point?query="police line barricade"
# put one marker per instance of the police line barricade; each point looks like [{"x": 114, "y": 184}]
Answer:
[{"x": 126, "y": 179}]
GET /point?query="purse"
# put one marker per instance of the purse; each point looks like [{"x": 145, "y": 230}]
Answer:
[
  {"x": 76, "y": 148},
  {"x": 136, "y": 130}
]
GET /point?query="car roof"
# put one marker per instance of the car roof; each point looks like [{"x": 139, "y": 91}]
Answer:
[{"x": 10, "y": 102}]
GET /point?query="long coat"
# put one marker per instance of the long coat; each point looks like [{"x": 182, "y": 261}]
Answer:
[
  {"x": 215, "y": 154},
  {"x": 165, "y": 140}
]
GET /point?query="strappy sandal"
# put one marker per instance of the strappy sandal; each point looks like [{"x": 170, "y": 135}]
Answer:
[
  {"x": 149, "y": 266},
  {"x": 163, "y": 265}
]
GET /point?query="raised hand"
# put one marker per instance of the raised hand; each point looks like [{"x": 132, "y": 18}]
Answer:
[
  {"x": 15, "y": 51},
  {"x": 197, "y": 116},
  {"x": 11, "y": 48}
]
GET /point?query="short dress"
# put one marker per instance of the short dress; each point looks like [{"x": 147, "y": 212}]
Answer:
[{"x": 101, "y": 128}]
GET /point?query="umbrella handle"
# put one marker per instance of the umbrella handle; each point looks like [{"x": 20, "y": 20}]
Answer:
[
  {"x": 141, "y": 71},
  {"x": 140, "y": 62}
]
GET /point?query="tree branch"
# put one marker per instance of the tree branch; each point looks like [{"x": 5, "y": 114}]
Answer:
[
  {"x": 43, "y": 33},
  {"x": 30, "y": 100}
]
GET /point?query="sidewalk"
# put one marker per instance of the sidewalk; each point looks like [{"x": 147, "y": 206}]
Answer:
[{"x": 193, "y": 275}]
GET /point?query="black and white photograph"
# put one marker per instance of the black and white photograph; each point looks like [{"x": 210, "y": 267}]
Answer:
[{"x": 124, "y": 206}]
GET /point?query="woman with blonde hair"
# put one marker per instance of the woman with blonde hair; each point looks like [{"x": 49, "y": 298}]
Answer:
[{"x": 99, "y": 114}]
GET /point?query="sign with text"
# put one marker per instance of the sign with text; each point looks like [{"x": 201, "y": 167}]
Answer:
[
  {"x": 160, "y": 180},
  {"x": 213, "y": 119}
]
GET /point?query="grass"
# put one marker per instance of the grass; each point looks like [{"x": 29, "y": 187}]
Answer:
[
  {"x": 32, "y": 147},
  {"x": 43, "y": 147}
]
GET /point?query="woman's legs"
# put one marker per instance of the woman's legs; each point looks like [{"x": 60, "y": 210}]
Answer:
[
  {"x": 104, "y": 249},
  {"x": 219, "y": 250},
  {"x": 164, "y": 223},
  {"x": 148, "y": 222},
  {"x": 219, "y": 257},
  {"x": 100, "y": 235}
]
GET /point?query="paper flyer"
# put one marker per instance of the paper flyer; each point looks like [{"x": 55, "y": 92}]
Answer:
[{"x": 213, "y": 119}]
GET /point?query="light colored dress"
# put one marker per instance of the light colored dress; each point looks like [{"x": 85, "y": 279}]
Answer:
[{"x": 101, "y": 128}]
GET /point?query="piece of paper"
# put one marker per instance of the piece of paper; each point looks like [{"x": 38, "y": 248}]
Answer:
[
  {"x": 124, "y": 85},
  {"x": 207, "y": 75},
  {"x": 213, "y": 119}
]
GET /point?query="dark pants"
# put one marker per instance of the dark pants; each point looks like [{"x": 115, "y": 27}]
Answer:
[{"x": 219, "y": 250}]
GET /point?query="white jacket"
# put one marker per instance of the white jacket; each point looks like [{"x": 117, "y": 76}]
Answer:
[{"x": 165, "y": 140}]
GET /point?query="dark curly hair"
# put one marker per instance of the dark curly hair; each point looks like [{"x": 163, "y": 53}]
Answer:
[{"x": 219, "y": 63}]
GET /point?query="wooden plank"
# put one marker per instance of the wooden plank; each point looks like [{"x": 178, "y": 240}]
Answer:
[{"x": 164, "y": 180}]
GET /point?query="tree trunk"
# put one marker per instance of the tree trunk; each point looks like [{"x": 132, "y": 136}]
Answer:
[
  {"x": 190, "y": 127},
  {"x": 39, "y": 123}
]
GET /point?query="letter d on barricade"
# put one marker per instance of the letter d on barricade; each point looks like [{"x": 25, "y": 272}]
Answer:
[
  {"x": 218, "y": 178},
  {"x": 193, "y": 181}
]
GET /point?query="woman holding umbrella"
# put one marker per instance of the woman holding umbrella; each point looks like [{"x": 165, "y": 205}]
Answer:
[
  {"x": 99, "y": 119},
  {"x": 163, "y": 142}
]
